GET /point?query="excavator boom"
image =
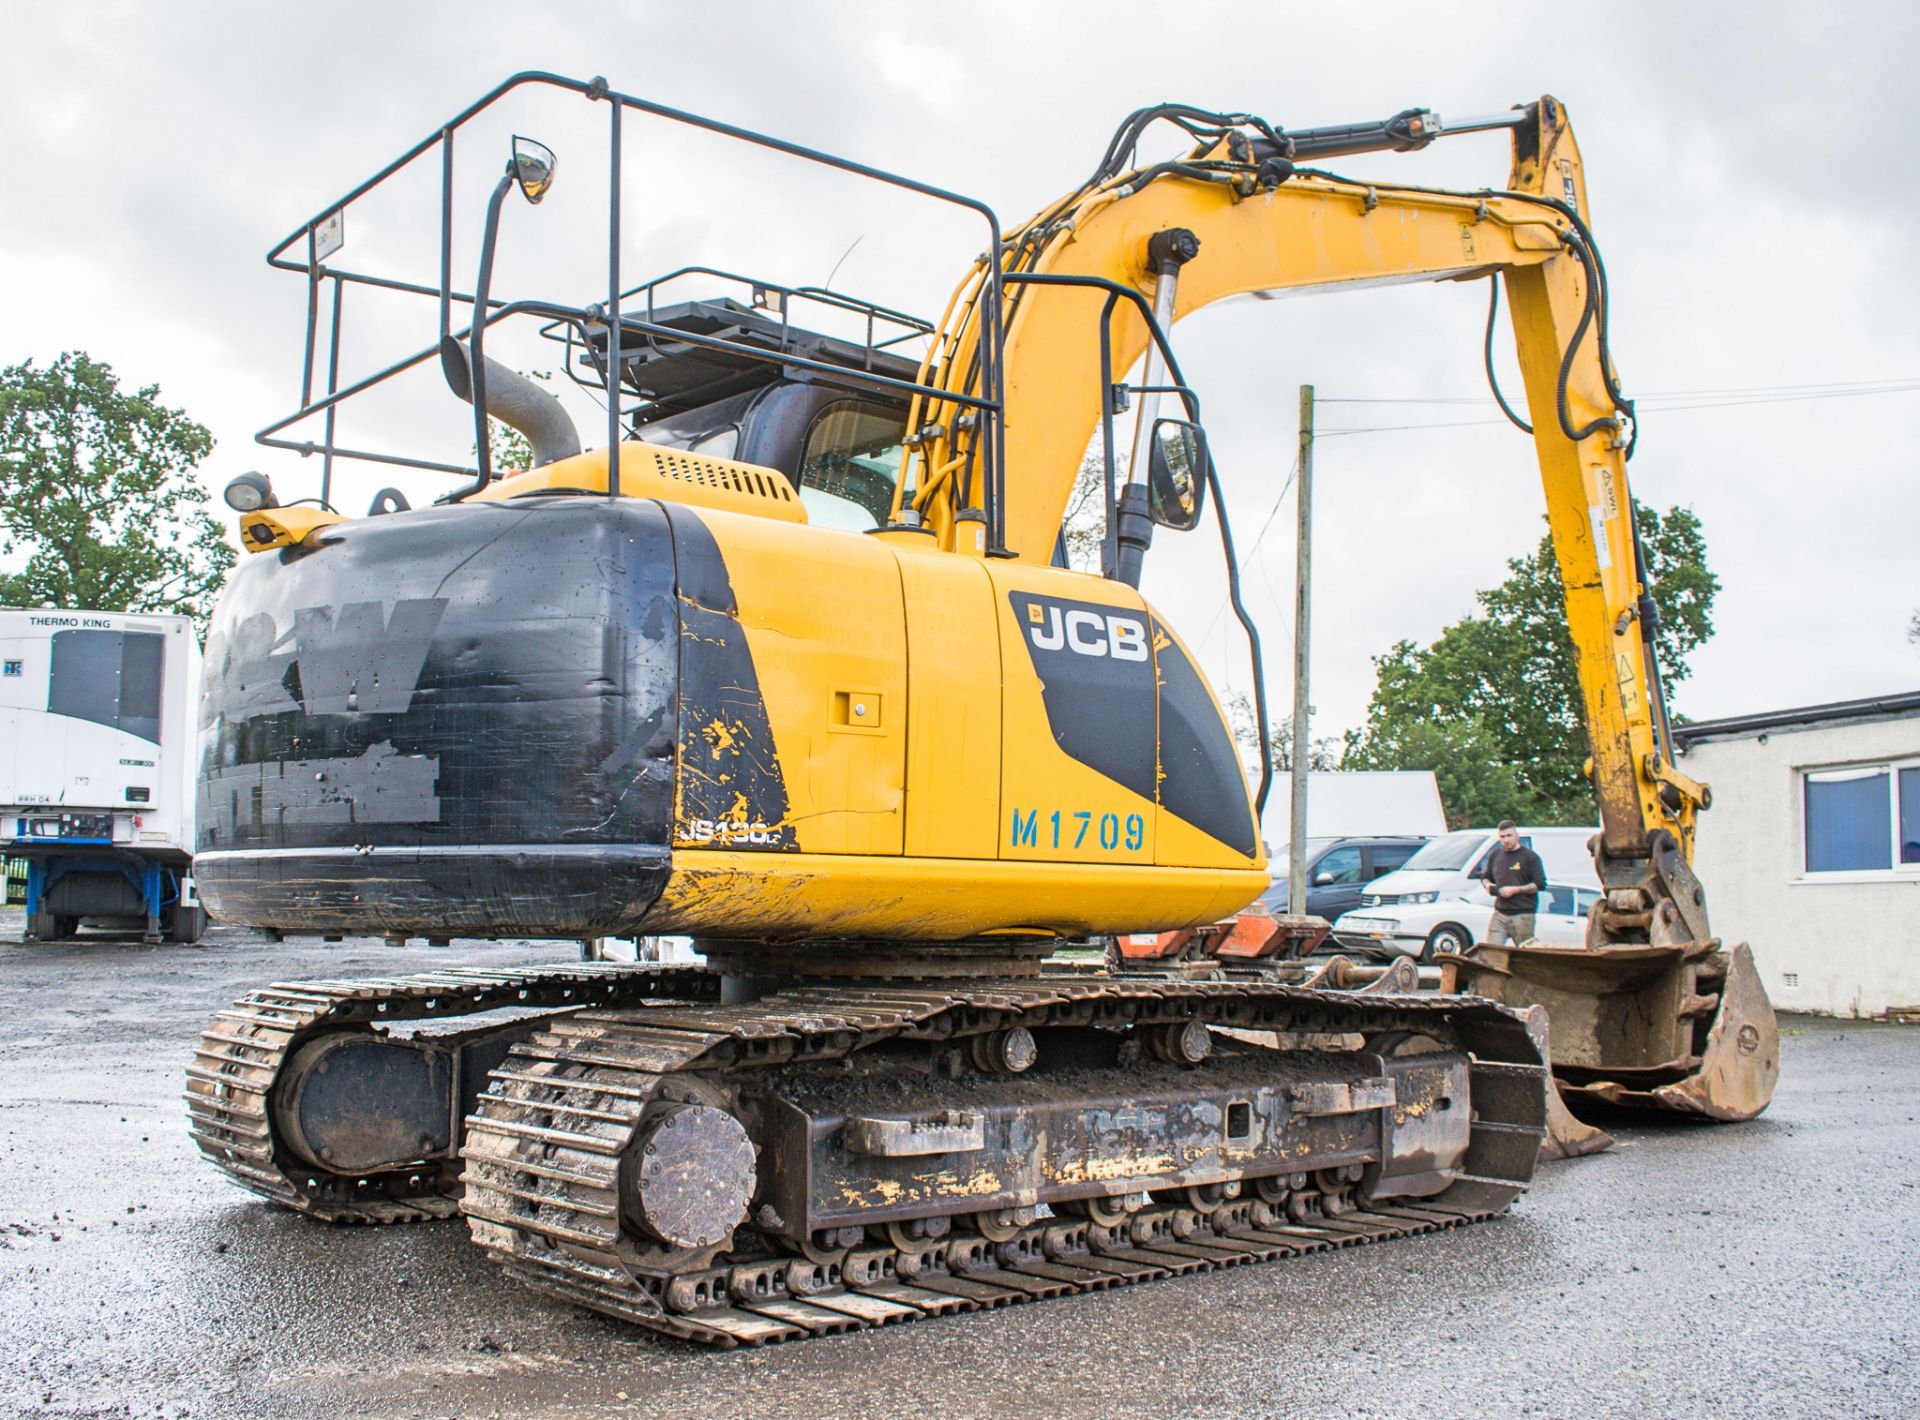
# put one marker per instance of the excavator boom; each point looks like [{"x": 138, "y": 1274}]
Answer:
[{"x": 1654, "y": 1011}]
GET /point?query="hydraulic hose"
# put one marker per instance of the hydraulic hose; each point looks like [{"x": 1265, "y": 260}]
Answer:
[{"x": 1493, "y": 380}]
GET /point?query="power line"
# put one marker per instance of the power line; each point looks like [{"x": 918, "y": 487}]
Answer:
[
  {"x": 1639, "y": 400},
  {"x": 1891, "y": 385},
  {"x": 1254, "y": 547},
  {"x": 1733, "y": 398},
  {"x": 1274, "y": 511}
]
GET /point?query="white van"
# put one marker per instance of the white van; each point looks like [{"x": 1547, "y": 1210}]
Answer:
[{"x": 1455, "y": 864}]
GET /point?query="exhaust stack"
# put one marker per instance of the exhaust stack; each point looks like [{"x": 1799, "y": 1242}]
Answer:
[{"x": 515, "y": 401}]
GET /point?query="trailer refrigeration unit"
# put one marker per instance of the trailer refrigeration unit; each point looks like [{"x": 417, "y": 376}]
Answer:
[{"x": 96, "y": 769}]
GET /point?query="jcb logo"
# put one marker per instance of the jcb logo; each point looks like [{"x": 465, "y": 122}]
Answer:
[{"x": 1086, "y": 633}]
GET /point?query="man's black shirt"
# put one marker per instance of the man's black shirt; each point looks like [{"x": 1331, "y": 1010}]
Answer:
[{"x": 1506, "y": 869}]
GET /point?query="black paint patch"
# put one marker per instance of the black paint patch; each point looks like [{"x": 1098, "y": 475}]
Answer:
[
  {"x": 365, "y": 658},
  {"x": 376, "y": 787},
  {"x": 1100, "y": 705},
  {"x": 481, "y": 890},
  {"x": 1201, "y": 780},
  {"x": 730, "y": 792},
  {"x": 509, "y": 696}
]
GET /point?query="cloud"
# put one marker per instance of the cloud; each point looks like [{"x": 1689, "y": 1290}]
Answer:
[{"x": 1750, "y": 194}]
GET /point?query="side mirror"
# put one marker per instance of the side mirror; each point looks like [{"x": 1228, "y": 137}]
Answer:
[
  {"x": 533, "y": 167},
  {"x": 1322, "y": 879},
  {"x": 1177, "y": 474}
]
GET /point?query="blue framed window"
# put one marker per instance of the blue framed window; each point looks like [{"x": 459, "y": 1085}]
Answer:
[
  {"x": 1864, "y": 819},
  {"x": 1908, "y": 838}
]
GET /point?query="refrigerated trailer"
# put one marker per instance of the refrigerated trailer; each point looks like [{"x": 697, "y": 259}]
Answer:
[{"x": 96, "y": 769}]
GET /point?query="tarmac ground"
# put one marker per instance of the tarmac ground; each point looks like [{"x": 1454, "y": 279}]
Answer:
[{"x": 1763, "y": 1269}]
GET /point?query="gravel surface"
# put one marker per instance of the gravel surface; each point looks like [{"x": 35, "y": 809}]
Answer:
[{"x": 1764, "y": 1269}]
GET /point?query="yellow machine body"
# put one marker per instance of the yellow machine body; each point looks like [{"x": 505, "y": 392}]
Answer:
[{"x": 931, "y": 782}]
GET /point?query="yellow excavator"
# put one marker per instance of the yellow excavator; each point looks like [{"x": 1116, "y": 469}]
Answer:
[{"x": 798, "y": 669}]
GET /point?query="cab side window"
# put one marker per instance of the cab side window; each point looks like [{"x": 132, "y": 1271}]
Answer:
[
  {"x": 851, "y": 459},
  {"x": 1388, "y": 857},
  {"x": 1342, "y": 865}
]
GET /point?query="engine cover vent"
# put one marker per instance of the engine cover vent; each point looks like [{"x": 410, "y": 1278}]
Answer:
[{"x": 671, "y": 475}]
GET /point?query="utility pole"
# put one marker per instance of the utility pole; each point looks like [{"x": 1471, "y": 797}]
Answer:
[{"x": 1303, "y": 578}]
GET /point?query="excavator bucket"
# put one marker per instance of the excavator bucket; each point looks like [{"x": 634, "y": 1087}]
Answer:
[
  {"x": 1568, "y": 1136},
  {"x": 1685, "y": 1027}
]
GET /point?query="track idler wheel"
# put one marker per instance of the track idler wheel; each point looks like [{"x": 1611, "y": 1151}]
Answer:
[
  {"x": 1329, "y": 1197},
  {"x": 915, "y": 1234},
  {"x": 1272, "y": 1189},
  {"x": 1004, "y": 1052},
  {"x": 1205, "y": 1197},
  {"x": 831, "y": 1245}
]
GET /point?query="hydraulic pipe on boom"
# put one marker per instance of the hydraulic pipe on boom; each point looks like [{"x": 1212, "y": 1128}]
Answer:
[{"x": 1167, "y": 252}]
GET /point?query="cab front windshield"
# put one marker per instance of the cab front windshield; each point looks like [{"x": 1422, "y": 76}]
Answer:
[
  {"x": 848, "y": 469},
  {"x": 1446, "y": 854}
]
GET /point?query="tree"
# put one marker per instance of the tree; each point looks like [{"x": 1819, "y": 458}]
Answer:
[
  {"x": 1084, "y": 524},
  {"x": 1322, "y": 753},
  {"x": 98, "y": 495},
  {"x": 1476, "y": 785},
  {"x": 1494, "y": 704}
]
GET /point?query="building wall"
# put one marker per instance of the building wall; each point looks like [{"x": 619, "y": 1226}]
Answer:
[{"x": 1841, "y": 944}]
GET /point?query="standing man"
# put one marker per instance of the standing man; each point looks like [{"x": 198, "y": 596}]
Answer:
[{"x": 1515, "y": 876}]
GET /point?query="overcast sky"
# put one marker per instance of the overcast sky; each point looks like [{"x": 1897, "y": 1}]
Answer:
[{"x": 1751, "y": 184}]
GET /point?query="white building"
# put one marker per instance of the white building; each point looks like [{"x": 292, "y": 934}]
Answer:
[
  {"x": 1356, "y": 803},
  {"x": 1811, "y": 852}
]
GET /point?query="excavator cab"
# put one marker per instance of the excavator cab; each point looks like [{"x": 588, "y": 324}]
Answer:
[{"x": 838, "y": 441}]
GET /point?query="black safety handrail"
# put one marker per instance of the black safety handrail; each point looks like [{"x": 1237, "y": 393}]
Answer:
[
  {"x": 305, "y": 241},
  {"x": 1179, "y": 388}
]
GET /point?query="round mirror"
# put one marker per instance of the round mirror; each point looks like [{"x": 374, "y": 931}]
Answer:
[{"x": 533, "y": 167}]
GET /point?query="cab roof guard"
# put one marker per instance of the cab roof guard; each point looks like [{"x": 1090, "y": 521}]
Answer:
[
  {"x": 307, "y": 248},
  {"x": 763, "y": 321}
]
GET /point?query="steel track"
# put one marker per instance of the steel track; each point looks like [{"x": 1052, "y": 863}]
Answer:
[
  {"x": 239, "y": 1057},
  {"x": 545, "y": 1145}
]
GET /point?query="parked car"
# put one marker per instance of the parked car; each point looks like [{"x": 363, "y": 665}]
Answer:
[
  {"x": 1454, "y": 865},
  {"x": 1338, "y": 871},
  {"x": 1452, "y": 924}
]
